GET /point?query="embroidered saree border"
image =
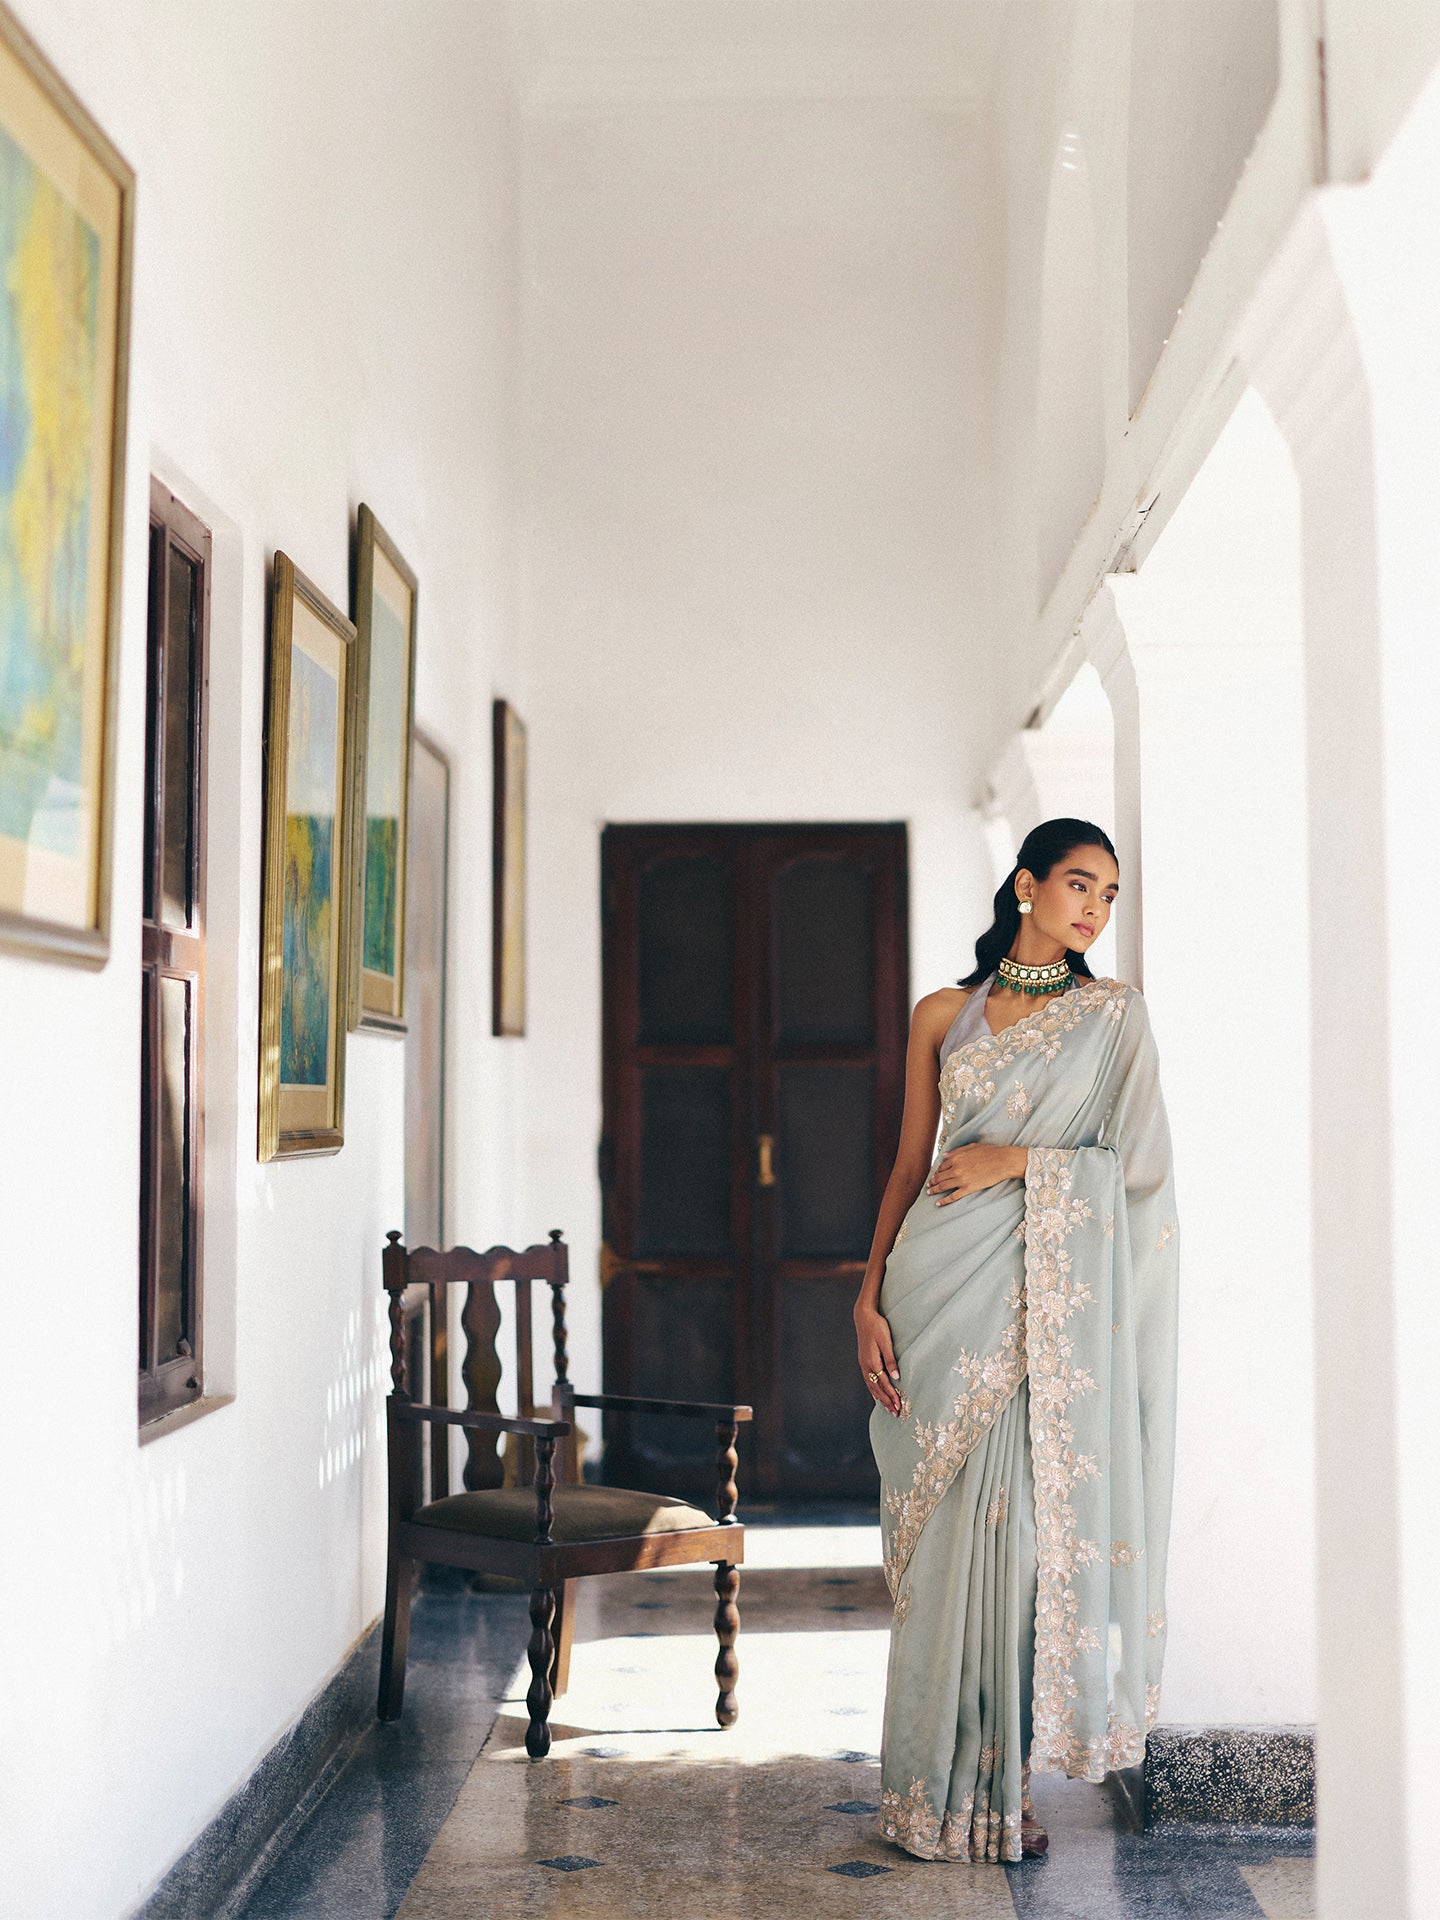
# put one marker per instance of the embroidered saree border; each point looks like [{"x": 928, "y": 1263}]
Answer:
[
  {"x": 969, "y": 1072},
  {"x": 1053, "y": 1295},
  {"x": 973, "y": 1832},
  {"x": 945, "y": 1446}
]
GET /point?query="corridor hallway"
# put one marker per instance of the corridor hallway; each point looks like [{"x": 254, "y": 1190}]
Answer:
[
  {"x": 732, "y": 430},
  {"x": 645, "y": 1808}
]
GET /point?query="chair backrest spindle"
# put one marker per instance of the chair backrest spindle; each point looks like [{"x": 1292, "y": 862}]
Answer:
[
  {"x": 559, "y": 1280},
  {"x": 481, "y": 1368},
  {"x": 525, "y": 1346}
]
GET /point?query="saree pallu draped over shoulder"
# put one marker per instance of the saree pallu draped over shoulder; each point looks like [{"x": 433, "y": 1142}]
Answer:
[{"x": 1025, "y": 1488}]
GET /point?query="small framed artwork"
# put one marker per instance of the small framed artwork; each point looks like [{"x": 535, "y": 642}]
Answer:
[
  {"x": 380, "y": 840},
  {"x": 507, "y": 974},
  {"x": 304, "y": 935},
  {"x": 66, "y": 216}
]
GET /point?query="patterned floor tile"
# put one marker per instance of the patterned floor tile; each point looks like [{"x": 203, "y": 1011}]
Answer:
[{"x": 762, "y": 1820}]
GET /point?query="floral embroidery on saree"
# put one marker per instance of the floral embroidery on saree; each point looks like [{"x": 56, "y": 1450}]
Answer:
[
  {"x": 974, "y": 1832},
  {"x": 945, "y": 1445},
  {"x": 1054, "y": 1293},
  {"x": 969, "y": 1072}
]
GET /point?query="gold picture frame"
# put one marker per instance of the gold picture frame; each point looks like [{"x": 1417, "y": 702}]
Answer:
[
  {"x": 67, "y": 203},
  {"x": 310, "y": 727},
  {"x": 385, "y": 628},
  {"x": 507, "y": 920}
]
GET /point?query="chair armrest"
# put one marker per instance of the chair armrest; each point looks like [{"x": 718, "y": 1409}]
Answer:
[
  {"x": 633, "y": 1403},
  {"x": 546, "y": 1432},
  {"x": 484, "y": 1422}
]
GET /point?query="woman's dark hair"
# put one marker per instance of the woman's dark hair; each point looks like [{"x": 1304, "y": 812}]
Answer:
[{"x": 1042, "y": 850}]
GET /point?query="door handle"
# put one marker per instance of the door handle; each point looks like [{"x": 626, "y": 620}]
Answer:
[{"x": 765, "y": 1174}]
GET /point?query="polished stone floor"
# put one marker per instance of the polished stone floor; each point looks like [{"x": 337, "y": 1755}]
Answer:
[{"x": 645, "y": 1807}]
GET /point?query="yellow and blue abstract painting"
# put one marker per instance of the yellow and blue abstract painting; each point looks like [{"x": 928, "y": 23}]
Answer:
[
  {"x": 384, "y": 774},
  {"x": 311, "y": 782},
  {"x": 49, "y": 296}
]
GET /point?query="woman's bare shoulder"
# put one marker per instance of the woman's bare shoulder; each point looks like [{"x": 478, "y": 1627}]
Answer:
[{"x": 935, "y": 1012}]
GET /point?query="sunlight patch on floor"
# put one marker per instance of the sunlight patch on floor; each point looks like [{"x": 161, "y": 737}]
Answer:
[
  {"x": 1283, "y": 1889},
  {"x": 645, "y": 1807}
]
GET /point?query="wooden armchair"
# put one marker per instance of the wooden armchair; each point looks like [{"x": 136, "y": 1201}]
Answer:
[{"x": 559, "y": 1531}]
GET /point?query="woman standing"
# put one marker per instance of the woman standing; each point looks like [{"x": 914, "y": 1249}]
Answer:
[{"x": 1016, "y": 1330}]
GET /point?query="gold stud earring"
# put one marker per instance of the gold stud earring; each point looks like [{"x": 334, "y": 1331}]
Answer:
[{"x": 1025, "y": 906}]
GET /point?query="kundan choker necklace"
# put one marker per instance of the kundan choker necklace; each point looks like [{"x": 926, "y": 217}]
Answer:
[{"x": 1053, "y": 978}]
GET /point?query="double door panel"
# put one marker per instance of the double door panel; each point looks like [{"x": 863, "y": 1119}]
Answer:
[{"x": 756, "y": 982}]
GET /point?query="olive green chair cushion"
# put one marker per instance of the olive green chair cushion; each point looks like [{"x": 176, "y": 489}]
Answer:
[{"x": 581, "y": 1513}]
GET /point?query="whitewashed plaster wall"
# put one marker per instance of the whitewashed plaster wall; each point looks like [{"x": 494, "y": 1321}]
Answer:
[
  {"x": 1091, "y": 168},
  {"x": 1198, "y": 132},
  {"x": 755, "y": 527},
  {"x": 1213, "y": 625},
  {"x": 323, "y": 312},
  {"x": 1336, "y": 340}
]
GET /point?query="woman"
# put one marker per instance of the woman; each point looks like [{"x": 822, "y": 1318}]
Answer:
[{"x": 1020, "y": 1350}]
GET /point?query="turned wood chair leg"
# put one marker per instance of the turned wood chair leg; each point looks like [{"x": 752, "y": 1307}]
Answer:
[
  {"x": 563, "y": 1631},
  {"x": 727, "y": 1576},
  {"x": 727, "y": 1626},
  {"x": 541, "y": 1654},
  {"x": 395, "y": 1638}
]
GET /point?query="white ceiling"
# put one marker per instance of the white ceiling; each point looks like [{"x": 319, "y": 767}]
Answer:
[{"x": 574, "y": 55}]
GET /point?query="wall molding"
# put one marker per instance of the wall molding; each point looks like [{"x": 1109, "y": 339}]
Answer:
[{"x": 222, "y": 1866}]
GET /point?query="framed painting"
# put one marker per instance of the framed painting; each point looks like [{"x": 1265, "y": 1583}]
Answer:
[
  {"x": 66, "y": 215},
  {"x": 380, "y": 839},
  {"x": 427, "y": 905},
  {"x": 305, "y": 912},
  {"x": 507, "y": 968}
]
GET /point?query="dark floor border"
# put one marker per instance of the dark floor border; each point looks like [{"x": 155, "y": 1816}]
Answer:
[
  {"x": 222, "y": 1866},
  {"x": 1231, "y": 1776}
]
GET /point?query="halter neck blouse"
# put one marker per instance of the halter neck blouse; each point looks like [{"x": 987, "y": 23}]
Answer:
[{"x": 970, "y": 1023}]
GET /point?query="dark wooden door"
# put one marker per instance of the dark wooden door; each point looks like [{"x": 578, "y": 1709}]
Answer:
[{"x": 756, "y": 999}]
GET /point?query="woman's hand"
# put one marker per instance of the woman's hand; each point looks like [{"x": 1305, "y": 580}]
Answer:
[
  {"x": 969, "y": 1169},
  {"x": 877, "y": 1358}
]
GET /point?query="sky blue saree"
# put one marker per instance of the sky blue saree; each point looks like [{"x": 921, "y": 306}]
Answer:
[{"x": 1025, "y": 1489}]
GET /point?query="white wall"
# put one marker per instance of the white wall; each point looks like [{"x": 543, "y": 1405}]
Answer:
[
  {"x": 1159, "y": 151},
  {"x": 323, "y": 312},
  {"x": 1338, "y": 340},
  {"x": 1214, "y": 628},
  {"x": 755, "y": 509},
  {"x": 1392, "y": 293}
]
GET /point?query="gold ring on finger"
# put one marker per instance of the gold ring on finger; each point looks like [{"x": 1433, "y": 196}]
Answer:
[{"x": 873, "y": 1378}]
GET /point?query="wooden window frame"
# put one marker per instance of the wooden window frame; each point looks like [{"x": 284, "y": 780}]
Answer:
[{"x": 169, "y": 952}]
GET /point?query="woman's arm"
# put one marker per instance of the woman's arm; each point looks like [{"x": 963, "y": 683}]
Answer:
[
  {"x": 928, "y": 1026},
  {"x": 968, "y": 1169}
]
